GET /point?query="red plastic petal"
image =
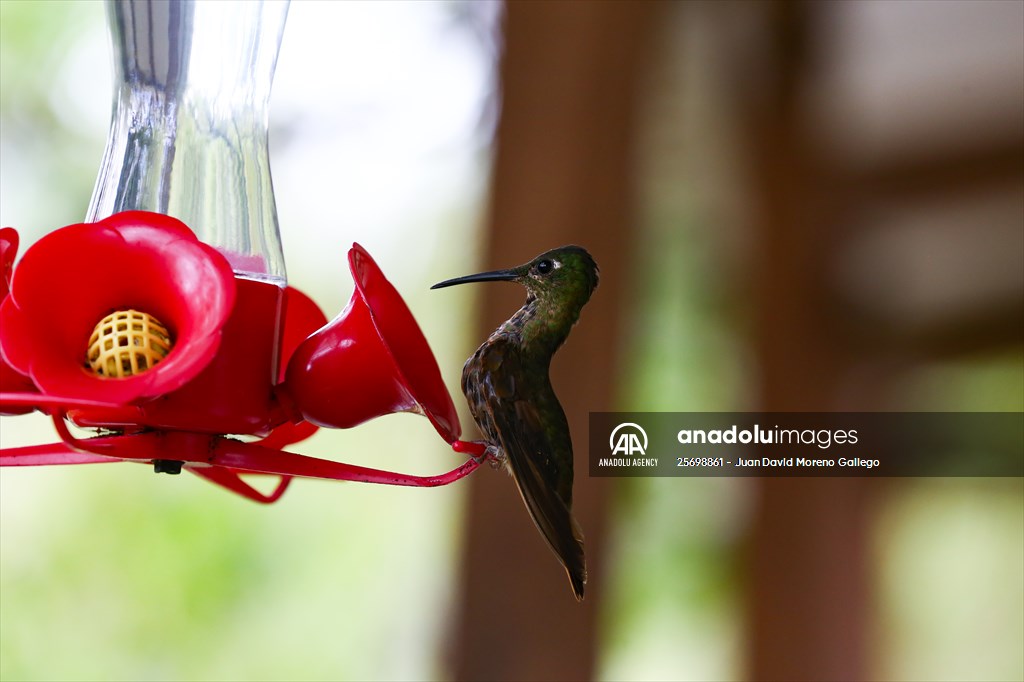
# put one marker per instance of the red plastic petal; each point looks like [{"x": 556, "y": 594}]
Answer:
[
  {"x": 11, "y": 380},
  {"x": 406, "y": 343},
  {"x": 302, "y": 317},
  {"x": 8, "y": 250},
  {"x": 370, "y": 360},
  {"x": 71, "y": 278}
]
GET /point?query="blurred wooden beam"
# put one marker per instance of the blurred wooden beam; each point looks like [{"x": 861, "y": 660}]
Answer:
[
  {"x": 806, "y": 569},
  {"x": 991, "y": 163},
  {"x": 563, "y": 174},
  {"x": 997, "y": 326}
]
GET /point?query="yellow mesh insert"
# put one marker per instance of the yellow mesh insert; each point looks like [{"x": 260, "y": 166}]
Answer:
[{"x": 127, "y": 342}]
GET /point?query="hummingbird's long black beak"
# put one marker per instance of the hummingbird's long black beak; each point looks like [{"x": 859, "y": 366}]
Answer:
[{"x": 492, "y": 276}]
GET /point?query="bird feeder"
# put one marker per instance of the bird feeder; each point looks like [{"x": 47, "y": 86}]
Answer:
[{"x": 164, "y": 322}]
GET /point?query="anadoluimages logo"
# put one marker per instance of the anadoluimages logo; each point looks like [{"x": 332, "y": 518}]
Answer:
[{"x": 626, "y": 440}]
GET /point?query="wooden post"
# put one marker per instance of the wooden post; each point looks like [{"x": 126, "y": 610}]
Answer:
[{"x": 807, "y": 585}]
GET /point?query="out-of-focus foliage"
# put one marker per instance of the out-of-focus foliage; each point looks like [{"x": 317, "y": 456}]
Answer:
[{"x": 53, "y": 132}]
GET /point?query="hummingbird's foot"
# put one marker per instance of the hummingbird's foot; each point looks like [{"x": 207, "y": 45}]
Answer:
[
  {"x": 496, "y": 456},
  {"x": 492, "y": 454},
  {"x": 481, "y": 451}
]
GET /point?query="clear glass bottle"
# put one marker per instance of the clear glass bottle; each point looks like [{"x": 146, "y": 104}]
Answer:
[
  {"x": 188, "y": 138},
  {"x": 188, "y": 135}
]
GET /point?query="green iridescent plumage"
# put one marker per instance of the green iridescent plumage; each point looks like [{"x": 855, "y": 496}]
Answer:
[{"x": 509, "y": 392}]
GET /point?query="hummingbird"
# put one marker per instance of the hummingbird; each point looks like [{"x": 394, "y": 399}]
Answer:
[{"x": 510, "y": 396}]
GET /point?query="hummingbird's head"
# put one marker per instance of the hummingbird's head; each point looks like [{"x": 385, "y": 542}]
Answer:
[{"x": 565, "y": 276}]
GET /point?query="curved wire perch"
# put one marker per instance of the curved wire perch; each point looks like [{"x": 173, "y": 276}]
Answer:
[
  {"x": 258, "y": 459},
  {"x": 220, "y": 460},
  {"x": 44, "y": 402},
  {"x": 226, "y": 478},
  {"x": 49, "y": 454}
]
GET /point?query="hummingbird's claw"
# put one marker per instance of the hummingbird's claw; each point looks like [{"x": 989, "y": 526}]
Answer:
[
  {"x": 496, "y": 456},
  {"x": 485, "y": 452},
  {"x": 492, "y": 454}
]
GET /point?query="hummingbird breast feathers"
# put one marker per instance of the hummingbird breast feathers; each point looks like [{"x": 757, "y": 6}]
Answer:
[{"x": 512, "y": 402}]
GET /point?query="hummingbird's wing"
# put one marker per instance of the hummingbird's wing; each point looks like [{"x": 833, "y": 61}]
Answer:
[
  {"x": 550, "y": 514},
  {"x": 520, "y": 411}
]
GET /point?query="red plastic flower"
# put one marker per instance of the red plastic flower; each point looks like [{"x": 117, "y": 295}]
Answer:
[
  {"x": 11, "y": 380},
  {"x": 72, "y": 278},
  {"x": 376, "y": 349},
  {"x": 8, "y": 250}
]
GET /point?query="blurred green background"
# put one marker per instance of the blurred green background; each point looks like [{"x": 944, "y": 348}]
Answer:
[{"x": 381, "y": 127}]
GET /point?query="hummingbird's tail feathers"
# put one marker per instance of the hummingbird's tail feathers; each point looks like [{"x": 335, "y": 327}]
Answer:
[
  {"x": 577, "y": 577},
  {"x": 556, "y": 523}
]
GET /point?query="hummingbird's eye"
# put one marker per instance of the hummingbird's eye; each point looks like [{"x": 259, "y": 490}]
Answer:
[{"x": 544, "y": 267}]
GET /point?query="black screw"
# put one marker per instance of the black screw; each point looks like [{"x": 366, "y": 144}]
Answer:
[{"x": 167, "y": 466}]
